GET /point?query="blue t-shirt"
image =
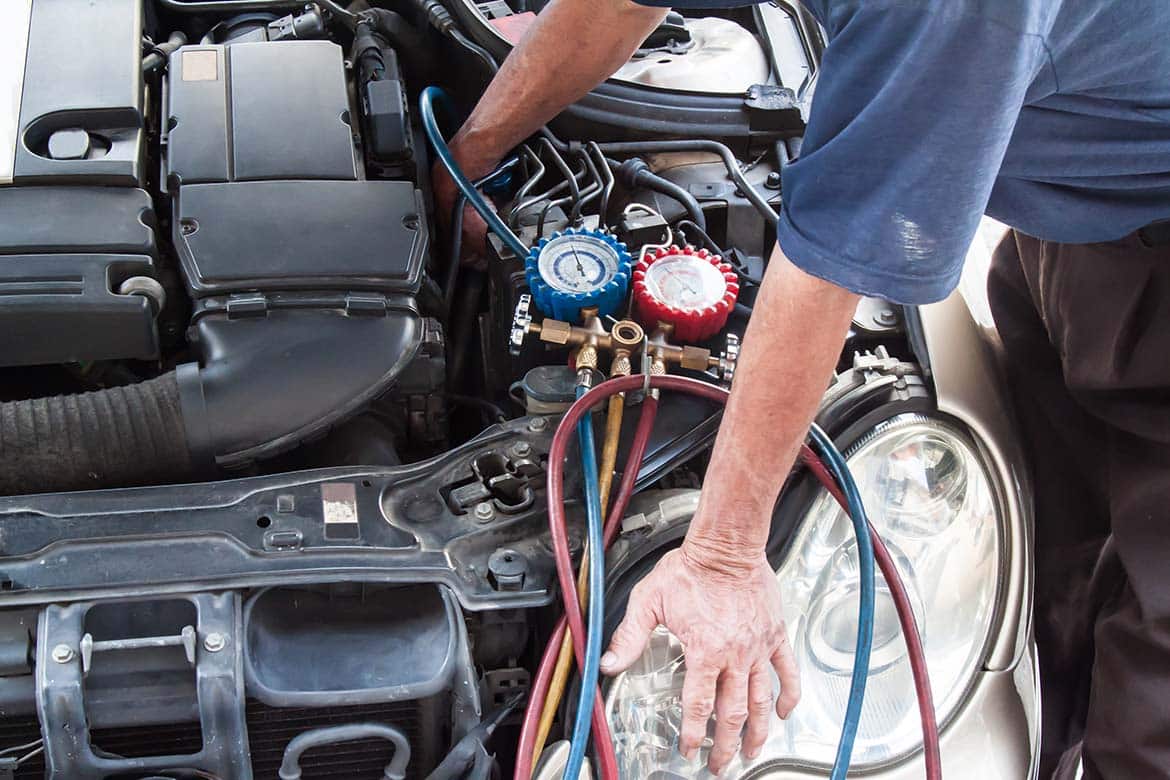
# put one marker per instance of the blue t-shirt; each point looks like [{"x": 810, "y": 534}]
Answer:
[{"x": 1052, "y": 116}]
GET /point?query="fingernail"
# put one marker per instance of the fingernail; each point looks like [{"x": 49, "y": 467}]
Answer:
[{"x": 608, "y": 660}]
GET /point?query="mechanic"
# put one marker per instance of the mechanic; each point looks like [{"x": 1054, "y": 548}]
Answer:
[{"x": 1050, "y": 115}]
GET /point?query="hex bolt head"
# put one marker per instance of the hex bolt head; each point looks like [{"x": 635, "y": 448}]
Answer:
[
  {"x": 485, "y": 512},
  {"x": 62, "y": 654},
  {"x": 521, "y": 449},
  {"x": 886, "y": 317},
  {"x": 214, "y": 642},
  {"x": 538, "y": 424}
]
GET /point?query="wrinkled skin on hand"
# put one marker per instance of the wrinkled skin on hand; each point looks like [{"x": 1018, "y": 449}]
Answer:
[
  {"x": 733, "y": 634},
  {"x": 474, "y": 250}
]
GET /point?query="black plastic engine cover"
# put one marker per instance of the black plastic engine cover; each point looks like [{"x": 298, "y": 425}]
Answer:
[
  {"x": 259, "y": 111},
  {"x": 313, "y": 235},
  {"x": 83, "y": 78},
  {"x": 64, "y": 251}
]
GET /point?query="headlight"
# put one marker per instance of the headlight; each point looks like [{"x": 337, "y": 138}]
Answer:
[{"x": 928, "y": 492}]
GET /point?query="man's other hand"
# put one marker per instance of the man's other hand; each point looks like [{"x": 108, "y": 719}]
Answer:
[{"x": 729, "y": 621}]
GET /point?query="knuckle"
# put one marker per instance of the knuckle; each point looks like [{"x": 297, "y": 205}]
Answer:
[
  {"x": 699, "y": 708},
  {"x": 761, "y": 703},
  {"x": 734, "y": 717}
]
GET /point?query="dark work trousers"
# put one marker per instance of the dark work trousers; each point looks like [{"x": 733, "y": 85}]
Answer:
[{"x": 1086, "y": 331}]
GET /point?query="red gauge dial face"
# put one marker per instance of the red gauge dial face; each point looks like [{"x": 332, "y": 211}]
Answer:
[
  {"x": 685, "y": 282},
  {"x": 688, "y": 289}
]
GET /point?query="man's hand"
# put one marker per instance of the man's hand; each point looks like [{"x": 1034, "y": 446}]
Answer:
[
  {"x": 446, "y": 192},
  {"x": 717, "y": 594},
  {"x": 730, "y": 626}
]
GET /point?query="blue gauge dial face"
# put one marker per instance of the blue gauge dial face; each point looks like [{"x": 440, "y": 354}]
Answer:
[{"x": 577, "y": 263}]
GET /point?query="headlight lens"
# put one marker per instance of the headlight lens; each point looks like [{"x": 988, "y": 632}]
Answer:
[{"x": 928, "y": 493}]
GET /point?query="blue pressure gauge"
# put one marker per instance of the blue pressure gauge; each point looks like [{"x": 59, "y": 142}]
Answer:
[{"x": 576, "y": 269}]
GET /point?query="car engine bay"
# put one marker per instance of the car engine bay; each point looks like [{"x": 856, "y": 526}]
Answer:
[{"x": 273, "y": 459}]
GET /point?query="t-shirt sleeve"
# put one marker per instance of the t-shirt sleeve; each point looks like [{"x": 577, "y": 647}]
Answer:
[{"x": 913, "y": 112}]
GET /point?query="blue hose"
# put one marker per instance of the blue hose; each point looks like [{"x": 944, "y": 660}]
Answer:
[
  {"x": 579, "y": 739},
  {"x": 426, "y": 106},
  {"x": 837, "y": 466}
]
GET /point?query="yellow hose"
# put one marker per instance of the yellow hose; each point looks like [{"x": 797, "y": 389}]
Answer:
[{"x": 560, "y": 678}]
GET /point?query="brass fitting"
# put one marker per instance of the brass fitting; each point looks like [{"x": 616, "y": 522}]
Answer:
[
  {"x": 590, "y": 338},
  {"x": 664, "y": 353}
]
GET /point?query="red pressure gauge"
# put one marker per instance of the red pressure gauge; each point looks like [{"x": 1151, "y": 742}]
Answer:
[{"x": 689, "y": 288}]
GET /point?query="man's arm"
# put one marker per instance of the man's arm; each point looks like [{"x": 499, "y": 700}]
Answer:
[
  {"x": 718, "y": 593},
  {"x": 542, "y": 76}
]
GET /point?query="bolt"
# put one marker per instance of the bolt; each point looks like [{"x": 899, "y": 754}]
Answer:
[
  {"x": 538, "y": 424},
  {"x": 522, "y": 449},
  {"x": 214, "y": 642},
  {"x": 886, "y": 318},
  {"x": 62, "y": 654},
  {"x": 773, "y": 180},
  {"x": 484, "y": 512}
]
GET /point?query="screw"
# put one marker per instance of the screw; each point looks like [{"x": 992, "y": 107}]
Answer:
[
  {"x": 538, "y": 424},
  {"x": 484, "y": 512},
  {"x": 214, "y": 642},
  {"x": 62, "y": 654},
  {"x": 522, "y": 449},
  {"x": 187, "y": 227},
  {"x": 773, "y": 180},
  {"x": 886, "y": 317}
]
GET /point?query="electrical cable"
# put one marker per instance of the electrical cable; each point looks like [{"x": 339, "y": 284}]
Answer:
[
  {"x": 932, "y": 754},
  {"x": 688, "y": 226},
  {"x": 607, "y": 189},
  {"x": 454, "y": 260},
  {"x": 635, "y": 173},
  {"x": 591, "y": 668},
  {"x": 426, "y": 102},
  {"x": 836, "y": 465},
  {"x": 574, "y": 188},
  {"x": 697, "y": 145},
  {"x": 609, "y": 451},
  {"x": 607, "y": 760}
]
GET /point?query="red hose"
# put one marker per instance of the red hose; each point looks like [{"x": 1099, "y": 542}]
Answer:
[
  {"x": 607, "y": 759},
  {"x": 564, "y": 562},
  {"x": 885, "y": 562}
]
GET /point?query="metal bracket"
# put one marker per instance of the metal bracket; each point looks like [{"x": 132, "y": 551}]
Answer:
[{"x": 65, "y": 655}]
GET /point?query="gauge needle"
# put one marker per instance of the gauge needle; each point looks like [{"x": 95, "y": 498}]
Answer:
[{"x": 580, "y": 268}]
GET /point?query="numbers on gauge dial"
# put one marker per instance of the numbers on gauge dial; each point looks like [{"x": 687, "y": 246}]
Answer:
[
  {"x": 685, "y": 282},
  {"x": 577, "y": 264}
]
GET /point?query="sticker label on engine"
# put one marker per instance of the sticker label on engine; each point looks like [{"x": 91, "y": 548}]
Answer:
[
  {"x": 339, "y": 508},
  {"x": 201, "y": 65}
]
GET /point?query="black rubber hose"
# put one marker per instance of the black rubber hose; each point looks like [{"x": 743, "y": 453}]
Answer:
[
  {"x": 290, "y": 767},
  {"x": 162, "y": 51},
  {"x": 635, "y": 173},
  {"x": 698, "y": 145},
  {"x": 406, "y": 39},
  {"x": 120, "y": 436}
]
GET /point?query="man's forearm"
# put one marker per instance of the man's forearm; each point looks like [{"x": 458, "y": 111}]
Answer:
[
  {"x": 789, "y": 353},
  {"x": 571, "y": 47}
]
